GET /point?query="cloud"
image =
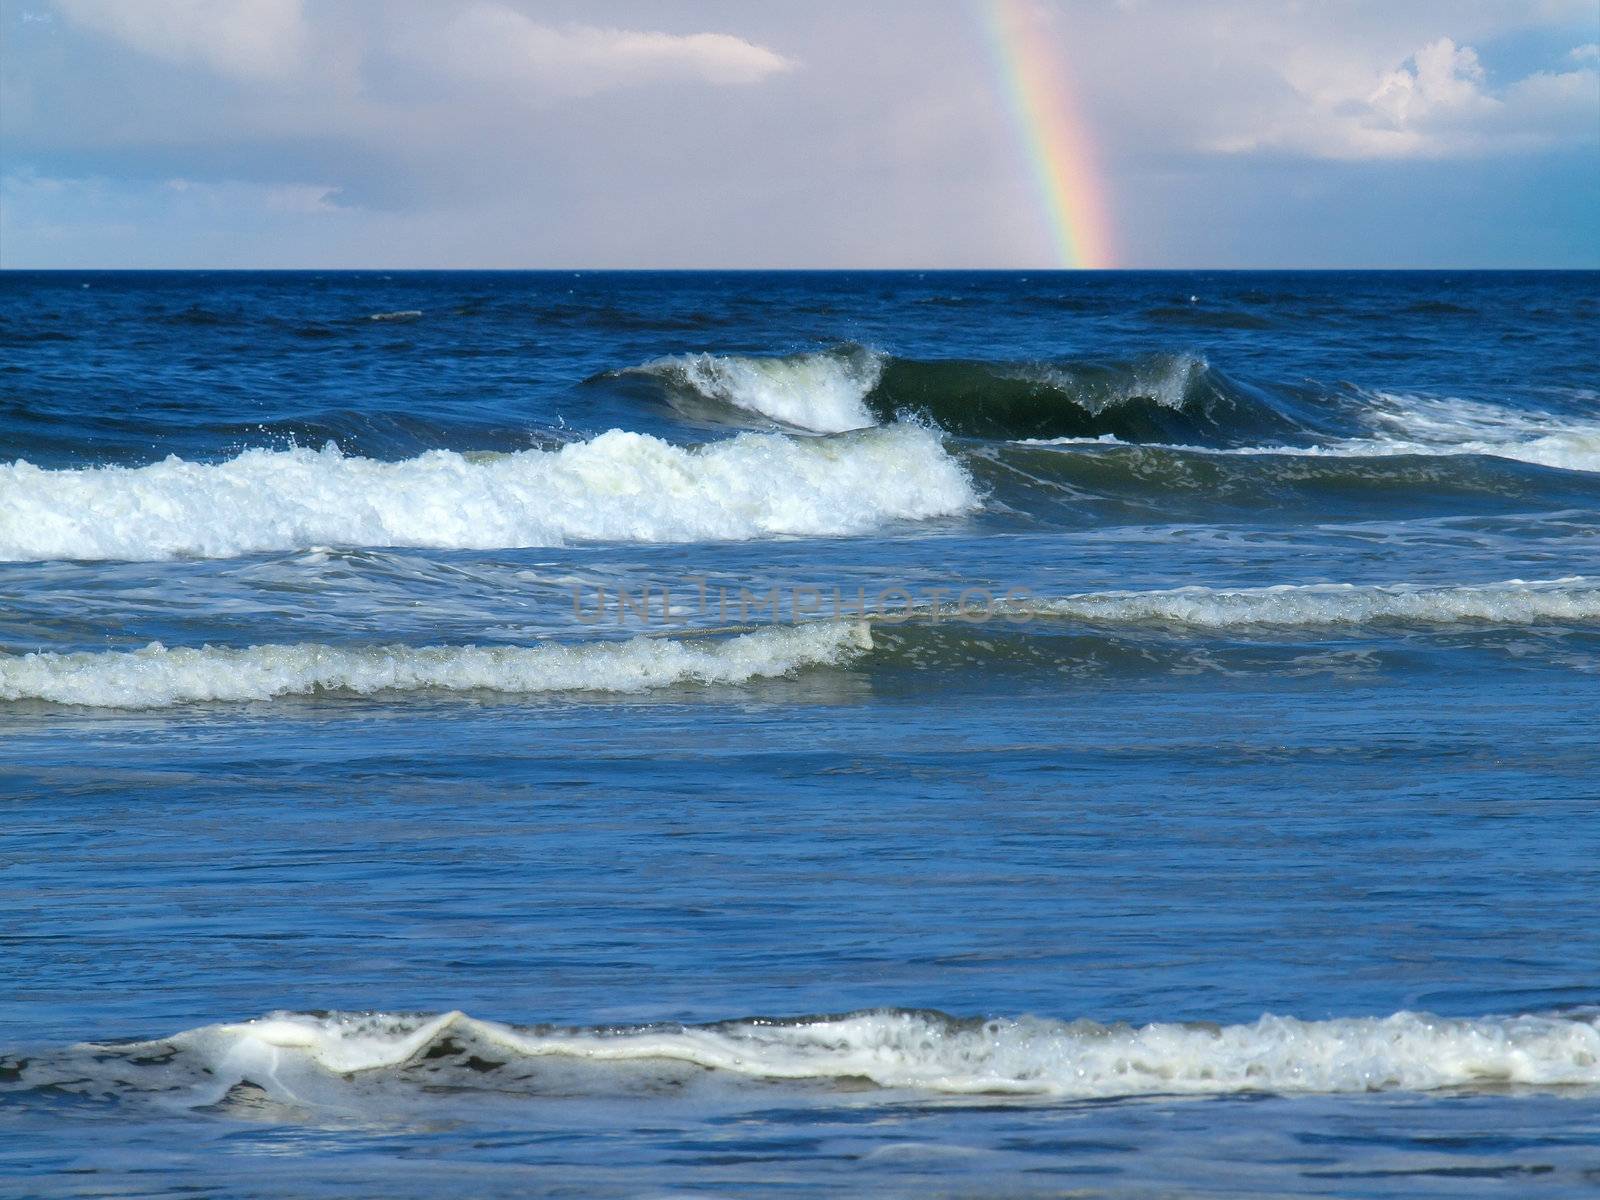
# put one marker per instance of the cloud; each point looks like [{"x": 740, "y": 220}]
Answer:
[
  {"x": 1440, "y": 78},
  {"x": 1435, "y": 104},
  {"x": 517, "y": 132},
  {"x": 252, "y": 39},
  {"x": 496, "y": 45}
]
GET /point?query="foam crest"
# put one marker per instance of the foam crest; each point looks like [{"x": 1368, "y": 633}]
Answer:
[
  {"x": 924, "y": 1051},
  {"x": 823, "y": 392},
  {"x": 1419, "y": 424},
  {"x": 1414, "y": 425},
  {"x": 159, "y": 677},
  {"x": 1513, "y": 602},
  {"x": 619, "y": 486}
]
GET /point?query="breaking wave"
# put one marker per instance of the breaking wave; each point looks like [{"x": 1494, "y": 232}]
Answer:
[
  {"x": 1159, "y": 397},
  {"x": 1175, "y": 402},
  {"x": 1419, "y": 426},
  {"x": 159, "y": 677},
  {"x": 823, "y": 392},
  {"x": 1154, "y": 397},
  {"x": 619, "y": 486},
  {"x": 1405, "y": 424},
  {"x": 1092, "y": 632},
  {"x": 332, "y": 1057},
  {"x": 1514, "y": 602},
  {"x": 1143, "y": 631}
]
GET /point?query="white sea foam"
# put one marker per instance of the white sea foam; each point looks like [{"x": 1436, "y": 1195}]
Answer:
[
  {"x": 1570, "y": 450},
  {"x": 823, "y": 392},
  {"x": 158, "y": 676},
  {"x": 1513, "y": 602},
  {"x": 1415, "y": 425},
  {"x": 1408, "y": 424},
  {"x": 928, "y": 1052},
  {"x": 619, "y": 486}
]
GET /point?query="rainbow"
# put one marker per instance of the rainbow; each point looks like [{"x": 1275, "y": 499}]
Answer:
[{"x": 1051, "y": 129}]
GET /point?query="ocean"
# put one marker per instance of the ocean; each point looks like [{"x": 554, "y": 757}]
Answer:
[{"x": 894, "y": 734}]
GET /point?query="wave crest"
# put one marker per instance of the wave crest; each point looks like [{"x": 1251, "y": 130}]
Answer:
[
  {"x": 1171, "y": 397},
  {"x": 1405, "y": 424},
  {"x": 1421, "y": 427},
  {"x": 624, "y": 487},
  {"x": 822, "y": 392},
  {"x": 299, "y": 1056},
  {"x": 159, "y": 677},
  {"x": 1514, "y": 602},
  {"x": 1166, "y": 401},
  {"x": 1159, "y": 397}
]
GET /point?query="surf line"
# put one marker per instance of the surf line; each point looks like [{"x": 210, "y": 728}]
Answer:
[{"x": 652, "y": 605}]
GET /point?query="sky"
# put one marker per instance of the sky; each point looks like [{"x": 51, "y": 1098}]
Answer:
[{"x": 823, "y": 134}]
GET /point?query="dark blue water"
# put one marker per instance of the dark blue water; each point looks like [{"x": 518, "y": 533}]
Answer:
[{"x": 1151, "y": 717}]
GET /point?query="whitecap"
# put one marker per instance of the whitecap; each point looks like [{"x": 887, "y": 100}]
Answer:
[
  {"x": 618, "y": 487},
  {"x": 897, "y": 1049},
  {"x": 1512, "y": 602},
  {"x": 824, "y": 392},
  {"x": 159, "y": 676}
]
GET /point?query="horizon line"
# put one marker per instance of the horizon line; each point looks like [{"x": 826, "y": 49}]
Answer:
[{"x": 562, "y": 270}]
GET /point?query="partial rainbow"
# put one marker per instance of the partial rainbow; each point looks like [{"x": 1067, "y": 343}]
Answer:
[{"x": 1052, "y": 133}]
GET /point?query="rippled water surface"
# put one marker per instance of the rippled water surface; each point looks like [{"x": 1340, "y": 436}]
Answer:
[{"x": 895, "y": 734}]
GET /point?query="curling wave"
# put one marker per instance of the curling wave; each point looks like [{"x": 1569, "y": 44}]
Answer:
[
  {"x": 311, "y": 1057},
  {"x": 159, "y": 677},
  {"x": 824, "y": 392},
  {"x": 619, "y": 486},
  {"x": 1172, "y": 397},
  {"x": 1170, "y": 402},
  {"x": 1154, "y": 398}
]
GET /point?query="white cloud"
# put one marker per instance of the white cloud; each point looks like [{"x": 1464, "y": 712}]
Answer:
[
  {"x": 514, "y": 132},
  {"x": 490, "y": 43},
  {"x": 254, "y": 39},
  {"x": 1436, "y": 104},
  {"x": 1440, "y": 78}
]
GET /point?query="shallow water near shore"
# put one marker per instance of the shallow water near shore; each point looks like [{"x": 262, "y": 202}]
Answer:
[{"x": 948, "y": 734}]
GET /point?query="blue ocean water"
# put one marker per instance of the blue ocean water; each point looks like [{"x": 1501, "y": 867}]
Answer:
[{"x": 898, "y": 734}]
